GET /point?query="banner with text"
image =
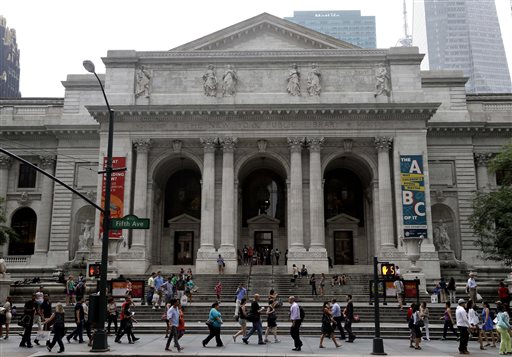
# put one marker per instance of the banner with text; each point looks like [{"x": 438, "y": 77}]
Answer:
[
  {"x": 116, "y": 194},
  {"x": 412, "y": 180}
]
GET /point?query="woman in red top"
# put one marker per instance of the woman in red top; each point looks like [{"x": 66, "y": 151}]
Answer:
[{"x": 503, "y": 293}]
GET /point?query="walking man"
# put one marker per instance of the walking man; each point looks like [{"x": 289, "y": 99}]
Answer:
[
  {"x": 463, "y": 325},
  {"x": 159, "y": 280},
  {"x": 296, "y": 321},
  {"x": 338, "y": 318},
  {"x": 173, "y": 316},
  {"x": 151, "y": 289},
  {"x": 471, "y": 287},
  {"x": 349, "y": 317},
  {"x": 240, "y": 294},
  {"x": 29, "y": 310},
  {"x": 79, "y": 320},
  {"x": 254, "y": 316}
]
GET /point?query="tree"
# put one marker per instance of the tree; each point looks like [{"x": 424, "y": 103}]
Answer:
[
  {"x": 492, "y": 213},
  {"x": 5, "y": 231}
]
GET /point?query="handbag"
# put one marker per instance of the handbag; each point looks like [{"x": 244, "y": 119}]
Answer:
[
  {"x": 209, "y": 323},
  {"x": 25, "y": 321},
  {"x": 421, "y": 323}
]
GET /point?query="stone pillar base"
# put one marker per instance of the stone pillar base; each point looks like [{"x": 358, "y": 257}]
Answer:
[
  {"x": 57, "y": 258},
  {"x": 5, "y": 287},
  {"x": 315, "y": 260},
  {"x": 39, "y": 259},
  {"x": 206, "y": 262}
]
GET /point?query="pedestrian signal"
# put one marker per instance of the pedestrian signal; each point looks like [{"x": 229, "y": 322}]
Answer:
[
  {"x": 387, "y": 270},
  {"x": 94, "y": 270}
]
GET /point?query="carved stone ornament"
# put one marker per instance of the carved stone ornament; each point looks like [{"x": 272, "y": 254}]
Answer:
[
  {"x": 382, "y": 81},
  {"x": 262, "y": 145},
  {"x": 482, "y": 159},
  {"x": 142, "y": 145},
  {"x": 228, "y": 143},
  {"x": 210, "y": 81},
  {"x": 347, "y": 145},
  {"x": 313, "y": 85},
  {"x": 47, "y": 161},
  {"x": 5, "y": 161},
  {"x": 176, "y": 146},
  {"x": 229, "y": 82},
  {"x": 24, "y": 199},
  {"x": 209, "y": 143},
  {"x": 383, "y": 143},
  {"x": 293, "y": 86},
  {"x": 295, "y": 143},
  {"x": 91, "y": 194},
  {"x": 439, "y": 195},
  {"x": 142, "y": 82},
  {"x": 315, "y": 143}
]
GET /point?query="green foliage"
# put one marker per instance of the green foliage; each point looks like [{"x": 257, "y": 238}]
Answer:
[
  {"x": 5, "y": 231},
  {"x": 492, "y": 213}
]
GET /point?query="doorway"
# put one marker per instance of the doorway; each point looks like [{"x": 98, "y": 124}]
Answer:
[
  {"x": 343, "y": 248},
  {"x": 183, "y": 247}
]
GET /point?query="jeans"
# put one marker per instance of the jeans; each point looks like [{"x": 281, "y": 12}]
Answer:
[
  {"x": 214, "y": 332},
  {"x": 256, "y": 327},
  {"x": 112, "y": 318},
  {"x": 58, "y": 333},
  {"x": 25, "y": 340},
  {"x": 295, "y": 333},
  {"x": 173, "y": 334},
  {"x": 78, "y": 331},
  {"x": 464, "y": 338},
  {"x": 449, "y": 325},
  {"x": 339, "y": 326},
  {"x": 348, "y": 327}
]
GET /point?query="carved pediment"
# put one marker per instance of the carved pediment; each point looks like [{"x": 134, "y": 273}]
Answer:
[
  {"x": 183, "y": 218},
  {"x": 263, "y": 218},
  {"x": 265, "y": 32},
  {"x": 343, "y": 218}
]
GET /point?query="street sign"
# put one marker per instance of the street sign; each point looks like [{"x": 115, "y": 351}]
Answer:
[
  {"x": 387, "y": 270},
  {"x": 129, "y": 222}
]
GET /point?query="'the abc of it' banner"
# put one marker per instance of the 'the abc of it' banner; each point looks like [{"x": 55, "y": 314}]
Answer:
[{"x": 412, "y": 180}]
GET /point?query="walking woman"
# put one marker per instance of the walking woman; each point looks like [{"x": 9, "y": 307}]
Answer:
[
  {"x": 271, "y": 323},
  {"x": 242, "y": 319},
  {"x": 8, "y": 317},
  {"x": 312, "y": 282},
  {"x": 474, "y": 323},
  {"x": 58, "y": 328},
  {"x": 487, "y": 325},
  {"x": 327, "y": 322},
  {"x": 112, "y": 314},
  {"x": 448, "y": 321},
  {"x": 70, "y": 291},
  {"x": 322, "y": 284},
  {"x": 214, "y": 323},
  {"x": 424, "y": 315},
  {"x": 416, "y": 326},
  {"x": 503, "y": 327}
]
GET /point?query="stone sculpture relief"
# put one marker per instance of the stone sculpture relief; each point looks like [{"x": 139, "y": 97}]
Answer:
[
  {"x": 229, "y": 81},
  {"x": 441, "y": 237},
  {"x": 293, "y": 86},
  {"x": 143, "y": 79},
  {"x": 383, "y": 82},
  {"x": 86, "y": 236},
  {"x": 210, "y": 82},
  {"x": 314, "y": 88}
]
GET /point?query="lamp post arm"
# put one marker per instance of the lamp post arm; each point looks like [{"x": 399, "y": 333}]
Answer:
[{"x": 103, "y": 91}]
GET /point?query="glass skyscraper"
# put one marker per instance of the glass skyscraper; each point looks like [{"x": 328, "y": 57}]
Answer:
[
  {"x": 465, "y": 35},
  {"x": 348, "y": 26}
]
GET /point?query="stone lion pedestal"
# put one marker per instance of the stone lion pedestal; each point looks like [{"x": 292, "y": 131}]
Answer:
[{"x": 5, "y": 287}]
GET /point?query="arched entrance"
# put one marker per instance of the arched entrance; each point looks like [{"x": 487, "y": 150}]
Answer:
[
  {"x": 347, "y": 210},
  {"x": 24, "y": 222},
  {"x": 262, "y": 207}
]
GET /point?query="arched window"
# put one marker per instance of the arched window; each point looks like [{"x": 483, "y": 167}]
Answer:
[{"x": 24, "y": 222}]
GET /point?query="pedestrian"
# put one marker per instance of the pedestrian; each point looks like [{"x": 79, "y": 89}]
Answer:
[
  {"x": 424, "y": 315},
  {"x": 128, "y": 289},
  {"x": 349, "y": 318},
  {"x": 322, "y": 284},
  {"x": 46, "y": 312},
  {"x": 250, "y": 253},
  {"x": 461, "y": 317},
  {"x": 471, "y": 287},
  {"x": 214, "y": 324},
  {"x": 329, "y": 260},
  {"x": 180, "y": 287},
  {"x": 245, "y": 254},
  {"x": 295, "y": 275},
  {"x": 296, "y": 319},
  {"x": 474, "y": 323},
  {"x": 167, "y": 289},
  {"x": 70, "y": 291},
  {"x": 29, "y": 311},
  {"x": 112, "y": 314},
  {"x": 181, "y": 323},
  {"x": 173, "y": 316},
  {"x": 272, "y": 297},
  {"x": 443, "y": 289},
  {"x": 410, "y": 322},
  {"x": 503, "y": 294},
  {"x": 487, "y": 325},
  {"x": 416, "y": 326},
  {"x": 164, "y": 318},
  {"x": 8, "y": 316},
  {"x": 87, "y": 323},
  {"x": 399, "y": 289},
  {"x": 77, "y": 333},
  {"x": 242, "y": 319},
  {"x": 189, "y": 288},
  {"x": 312, "y": 282},
  {"x": 338, "y": 318},
  {"x": 278, "y": 255},
  {"x": 218, "y": 290},
  {"x": 448, "y": 321},
  {"x": 452, "y": 290},
  {"x": 254, "y": 316},
  {"x": 327, "y": 323},
  {"x": 221, "y": 264},
  {"x": 159, "y": 280},
  {"x": 127, "y": 321},
  {"x": 286, "y": 257},
  {"x": 503, "y": 326},
  {"x": 58, "y": 328},
  {"x": 304, "y": 272},
  {"x": 38, "y": 316},
  {"x": 240, "y": 293},
  {"x": 271, "y": 322},
  {"x": 151, "y": 289}
]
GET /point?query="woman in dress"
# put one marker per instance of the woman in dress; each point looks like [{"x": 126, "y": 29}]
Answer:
[
  {"x": 8, "y": 316},
  {"x": 474, "y": 322},
  {"x": 58, "y": 328},
  {"x": 424, "y": 314},
  {"x": 70, "y": 291},
  {"x": 487, "y": 325},
  {"x": 242, "y": 319},
  {"x": 214, "y": 325},
  {"x": 327, "y": 322},
  {"x": 271, "y": 323},
  {"x": 322, "y": 284},
  {"x": 416, "y": 326},
  {"x": 272, "y": 297}
]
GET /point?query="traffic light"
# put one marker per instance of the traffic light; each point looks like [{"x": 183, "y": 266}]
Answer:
[
  {"x": 94, "y": 270},
  {"x": 387, "y": 270}
]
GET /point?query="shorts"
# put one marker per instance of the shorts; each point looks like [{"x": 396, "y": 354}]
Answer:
[{"x": 242, "y": 322}]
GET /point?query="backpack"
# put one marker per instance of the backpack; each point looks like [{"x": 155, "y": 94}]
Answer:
[{"x": 302, "y": 313}]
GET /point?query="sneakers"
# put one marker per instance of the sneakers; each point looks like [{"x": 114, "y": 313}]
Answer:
[
  {"x": 36, "y": 341},
  {"x": 245, "y": 341},
  {"x": 277, "y": 341}
]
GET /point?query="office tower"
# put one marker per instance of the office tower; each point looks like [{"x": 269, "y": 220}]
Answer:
[
  {"x": 348, "y": 26},
  {"x": 9, "y": 62},
  {"x": 465, "y": 35}
]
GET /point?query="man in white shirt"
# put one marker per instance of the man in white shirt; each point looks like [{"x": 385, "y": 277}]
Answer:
[
  {"x": 338, "y": 318},
  {"x": 296, "y": 321},
  {"x": 471, "y": 287},
  {"x": 173, "y": 316},
  {"x": 463, "y": 325},
  {"x": 151, "y": 290}
]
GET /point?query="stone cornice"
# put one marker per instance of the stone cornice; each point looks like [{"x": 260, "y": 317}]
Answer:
[
  {"x": 498, "y": 97},
  {"x": 51, "y": 130},
  {"x": 470, "y": 129},
  {"x": 53, "y": 102}
]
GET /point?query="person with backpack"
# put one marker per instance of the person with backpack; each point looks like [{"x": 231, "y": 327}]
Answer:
[
  {"x": 296, "y": 317},
  {"x": 58, "y": 328},
  {"x": 254, "y": 316}
]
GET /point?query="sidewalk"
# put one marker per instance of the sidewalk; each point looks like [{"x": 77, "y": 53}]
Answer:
[{"x": 153, "y": 345}]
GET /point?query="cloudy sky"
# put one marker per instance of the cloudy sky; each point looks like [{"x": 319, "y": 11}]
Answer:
[{"x": 55, "y": 36}]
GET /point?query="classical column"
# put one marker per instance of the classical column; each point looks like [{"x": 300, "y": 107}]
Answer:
[
  {"x": 45, "y": 213},
  {"x": 482, "y": 173},
  {"x": 316, "y": 202},
  {"x": 140, "y": 195},
  {"x": 227, "y": 224},
  {"x": 383, "y": 145},
  {"x": 296, "y": 231},
  {"x": 5, "y": 164},
  {"x": 208, "y": 194}
]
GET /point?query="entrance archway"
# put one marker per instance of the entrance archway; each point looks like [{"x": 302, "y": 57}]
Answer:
[{"x": 24, "y": 223}]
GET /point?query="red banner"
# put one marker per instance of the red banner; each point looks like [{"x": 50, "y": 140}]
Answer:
[{"x": 116, "y": 194}]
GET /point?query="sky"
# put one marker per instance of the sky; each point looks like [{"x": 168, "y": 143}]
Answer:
[{"x": 55, "y": 36}]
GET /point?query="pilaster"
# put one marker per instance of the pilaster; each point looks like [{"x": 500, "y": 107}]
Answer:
[
  {"x": 140, "y": 195},
  {"x": 482, "y": 171}
]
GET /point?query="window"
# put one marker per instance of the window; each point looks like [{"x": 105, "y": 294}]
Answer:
[{"x": 27, "y": 176}]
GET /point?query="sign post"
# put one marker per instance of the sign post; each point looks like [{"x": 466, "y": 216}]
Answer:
[{"x": 129, "y": 222}]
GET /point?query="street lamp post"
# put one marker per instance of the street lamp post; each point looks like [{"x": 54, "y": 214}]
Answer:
[{"x": 99, "y": 343}]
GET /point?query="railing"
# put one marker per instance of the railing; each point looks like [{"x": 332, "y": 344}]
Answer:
[{"x": 17, "y": 260}]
